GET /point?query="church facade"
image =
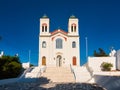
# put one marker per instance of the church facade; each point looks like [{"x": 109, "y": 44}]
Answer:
[{"x": 59, "y": 48}]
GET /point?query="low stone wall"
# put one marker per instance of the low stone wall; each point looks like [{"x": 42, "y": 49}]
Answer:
[
  {"x": 111, "y": 73},
  {"x": 95, "y": 62}
]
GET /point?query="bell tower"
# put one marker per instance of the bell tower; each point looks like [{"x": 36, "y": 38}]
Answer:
[
  {"x": 73, "y": 26},
  {"x": 44, "y": 25}
]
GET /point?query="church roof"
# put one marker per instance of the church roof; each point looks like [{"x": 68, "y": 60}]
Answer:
[{"x": 59, "y": 31}]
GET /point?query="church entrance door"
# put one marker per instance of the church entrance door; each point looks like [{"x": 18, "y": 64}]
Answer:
[
  {"x": 59, "y": 61},
  {"x": 74, "y": 61},
  {"x": 44, "y": 60}
]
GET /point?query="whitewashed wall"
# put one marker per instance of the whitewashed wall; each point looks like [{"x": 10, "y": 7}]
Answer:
[
  {"x": 118, "y": 59},
  {"x": 67, "y": 52},
  {"x": 26, "y": 65},
  {"x": 95, "y": 62},
  {"x": 1, "y": 54}
]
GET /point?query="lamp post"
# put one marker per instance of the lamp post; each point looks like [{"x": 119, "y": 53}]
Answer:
[
  {"x": 29, "y": 57},
  {"x": 86, "y": 48}
]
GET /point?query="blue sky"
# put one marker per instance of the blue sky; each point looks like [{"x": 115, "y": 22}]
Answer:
[{"x": 99, "y": 20}]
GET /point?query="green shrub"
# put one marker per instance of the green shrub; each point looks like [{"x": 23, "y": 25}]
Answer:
[
  {"x": 10, "y": 67},
  {"x": 105, "y": 66}
]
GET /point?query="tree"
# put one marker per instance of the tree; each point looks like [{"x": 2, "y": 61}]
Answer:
[
  {"x": 10, "y": 67},
  {"x": 95, "y": 53},
  {"x": 105, "y": 66},
  {"x": 101, "y": 53},
  {"x": 31, "y": 65}
]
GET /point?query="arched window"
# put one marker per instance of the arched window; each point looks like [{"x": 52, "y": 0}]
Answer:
[
  {"x": 73, "y": 27},
  {"x": 74, "y": 61},
  {"x": 59, "y": 43},
  {"x": 44, "y": 27},
  {"x": 43, "y": 44},
  {"x": 73, "y": 44},
  {"x": 43, "y": 60}
]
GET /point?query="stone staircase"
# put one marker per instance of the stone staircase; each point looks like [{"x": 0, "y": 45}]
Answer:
[{"x": 58, "y": 74}]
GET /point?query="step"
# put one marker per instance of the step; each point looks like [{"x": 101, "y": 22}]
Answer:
[
  {"x": 58, "y": 70},
  {"x": 59, "y": 74},
  {"x": 59, "y": 80},
  {"x": 65, "y": 77}
]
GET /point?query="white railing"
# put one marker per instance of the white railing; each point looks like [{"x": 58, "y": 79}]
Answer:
[
  {"x": 38, "y": 74},
  {"x": 72, "y": 71},
  {"x": 26, "y": 71},
  {"x": 89, "y": 69},
  {"x": 43, "y": 69}
]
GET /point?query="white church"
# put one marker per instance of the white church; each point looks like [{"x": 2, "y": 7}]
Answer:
[
  {"x": 59, "y": 56},
  {"x": 59, "y": 59},
  {"x": 59, "y": 48}
]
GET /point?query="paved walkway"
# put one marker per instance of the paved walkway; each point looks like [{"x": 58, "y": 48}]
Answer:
[
  {"x": 44, "y": 84},
  {"x": 109, "y": 82}
]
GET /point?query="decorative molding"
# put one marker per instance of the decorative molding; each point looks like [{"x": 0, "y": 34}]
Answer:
[
  {"x": 59, "y": 35},
  {"x": 59, "y": 53}
]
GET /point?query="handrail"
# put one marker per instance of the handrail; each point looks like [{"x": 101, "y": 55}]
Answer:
[
  {"x": 43, "y": 69},
  {"x": 27, "y": 70},
  {"x": 38, "y": 74},
  {"x": 72, "y": 71},
  {"x": 89, "y": 69}
]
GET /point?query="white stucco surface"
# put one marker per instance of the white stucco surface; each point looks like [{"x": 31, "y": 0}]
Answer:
[
  {"x": 95, "y": 62},
  {"x": 26, "y": 65},
  {"x": 67, "y": 52}
]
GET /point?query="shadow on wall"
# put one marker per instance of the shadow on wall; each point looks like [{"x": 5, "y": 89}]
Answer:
[{"x": 109, "y": 82}]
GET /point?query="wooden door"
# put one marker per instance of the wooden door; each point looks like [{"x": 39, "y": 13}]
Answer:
[
  {"x": 43, "y": 60},
  {"x": 74, "y": 60}
]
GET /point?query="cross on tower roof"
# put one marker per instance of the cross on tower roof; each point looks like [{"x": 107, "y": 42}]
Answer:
[
  {"x": 44, "y": 16},
  {"x": 72, "y": 16}
]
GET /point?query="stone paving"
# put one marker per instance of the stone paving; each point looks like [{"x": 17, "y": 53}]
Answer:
[{"x": 46, "y": 85}]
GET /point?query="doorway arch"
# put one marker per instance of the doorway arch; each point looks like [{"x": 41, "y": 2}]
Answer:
[{"x": 59, "y": 61}]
